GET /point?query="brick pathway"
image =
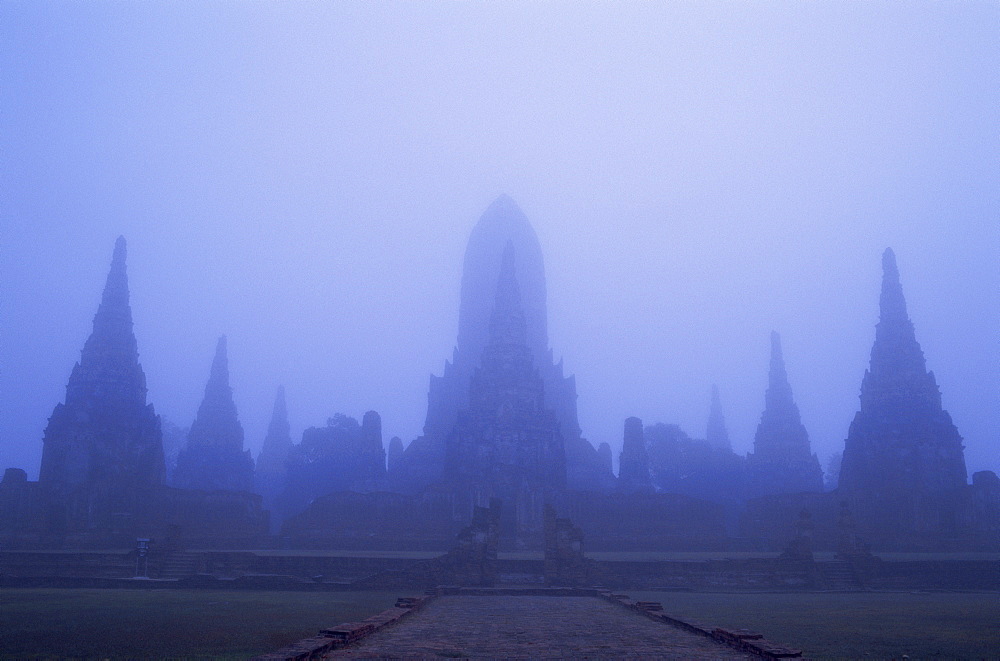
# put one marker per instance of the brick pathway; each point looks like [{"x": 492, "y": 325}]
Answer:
[{"x": 533, "y": 627}]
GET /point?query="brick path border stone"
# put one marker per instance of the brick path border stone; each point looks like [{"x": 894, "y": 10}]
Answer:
[{"x": 351, "y": 633}]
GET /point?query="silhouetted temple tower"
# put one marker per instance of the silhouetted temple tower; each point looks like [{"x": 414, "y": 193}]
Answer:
[
  {"x": 105, "y": 434},
  {"x": 423, "y": 459},
  {"x": 633, "y": 463},
  {"x": 782, "y": 461},
  {"x": 214, "y": 457},
  {"x": 506, "y": 443},
  {"x": 270, "y": 468},
  {"x": 902, "y": 444},
  {"x": 716, "y": 433}
]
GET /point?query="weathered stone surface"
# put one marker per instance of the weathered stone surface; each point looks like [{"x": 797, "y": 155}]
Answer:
[
  {"x": 507, "y": 443},
  {"x": 633, "y": 463},
  {"x": 105, "y": 434},
  {"x": 565, "y": 563},
  {"x": 214, "y": 458},
  {"x": 534, "y": 627},
  {"x": 903, "y": 454},
  {"x": 472, "y": 562},
  {"x": 782, "y": 461},
  {"x": 424, "y": 458},
  {"x": 341, "y": 456},
  {"x": 692, "y": 467},
  {"x": 271, "y": 466}
]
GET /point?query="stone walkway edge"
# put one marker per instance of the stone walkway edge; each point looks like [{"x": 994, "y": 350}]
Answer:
[{"x": 350, "y": 633}]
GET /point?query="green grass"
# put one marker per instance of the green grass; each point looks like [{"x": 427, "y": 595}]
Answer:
[
  {"x": 404, "y": 555},
  {"x": 872, "y": 625},
  {"x": 822, "y": 556},
  {"x": 159, "y": 624}
]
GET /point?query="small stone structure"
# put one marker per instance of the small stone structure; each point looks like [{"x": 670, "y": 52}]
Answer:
[
  {"x": 472, "y": 562},
  {"x": 565, "y": 564},
  {"x": 633, "y": 463},
  {"x": 801, "y": 547}
]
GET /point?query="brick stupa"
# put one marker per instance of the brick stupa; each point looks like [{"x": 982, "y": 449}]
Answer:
[
  {"x": 902, "y": 444},
  {"x": 214, "y": 458},
  {"x": 105, "y": 435},
  {"x": 782, "y": 460}
]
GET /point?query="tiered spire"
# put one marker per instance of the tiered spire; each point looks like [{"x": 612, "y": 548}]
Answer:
[
  {"x": 105, "y": 430},
  {"x": 901, "y": 441},
  {"x": 214, "y": 457},
  {"x": 897, "y": 377},
  {"x": 507, "y": 323},
  {"x": 782, "y": 461},
  {"x": 279, "y": 437},
  {"x": 717, "y": 434},
  {"x": 270, "y": 467}
]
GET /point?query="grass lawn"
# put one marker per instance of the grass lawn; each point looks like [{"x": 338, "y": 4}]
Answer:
[
  {"x": 150, "y": 624},
  {"x": 873, "y": 625}
]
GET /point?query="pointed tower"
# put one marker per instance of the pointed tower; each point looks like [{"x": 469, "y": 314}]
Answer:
[
  {"x": 270, "y": 469},
  {"x": 633, "y": 463},
  {"x": 716, "y": 434},
  {"x": 105, "y": 433},
  {"x": 503, "y": 222},
  {"x": 902, "y": 445},
  {"x": 214, "y": 457},
  {"x": 507, "y": 444},
  {"x": 782, "y": 461}
]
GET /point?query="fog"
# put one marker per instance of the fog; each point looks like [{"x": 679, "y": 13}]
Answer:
[{"x": 304, "y": 178}]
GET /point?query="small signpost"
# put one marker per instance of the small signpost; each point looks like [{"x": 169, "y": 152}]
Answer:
[{"x": 141, "y": 557}]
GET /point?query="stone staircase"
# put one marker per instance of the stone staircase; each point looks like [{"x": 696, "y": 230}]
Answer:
[
  {"x": 838, "y": 575},
  {"x": 178, "y": 564}
]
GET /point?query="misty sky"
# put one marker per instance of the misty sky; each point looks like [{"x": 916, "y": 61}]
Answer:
[{"x": 303, "y": 177}]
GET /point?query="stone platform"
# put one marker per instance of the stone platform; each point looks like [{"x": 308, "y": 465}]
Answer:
[{"x": 506, "y": 626}]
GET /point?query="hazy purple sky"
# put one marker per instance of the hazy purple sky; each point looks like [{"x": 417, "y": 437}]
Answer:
[{"x": 303, "y": 177}]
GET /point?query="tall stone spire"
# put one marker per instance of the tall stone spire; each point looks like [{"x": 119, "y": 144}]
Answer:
[
  {"x": 502, "y": 228},
  {"x": 716, "y": 434},
  {"x": 507, "y": 323},
  {"x": 214, "y": 457},
  {"x": 502, "y": 223},
  {"x": 507, "y": 443},
  {"x": 105, "y": 431},
  {"x": 633, "y": 463},
  {"x": 901, "y": 442},
  {"x": 782, "y": 461},
  {"x": 270, "y": 469}
]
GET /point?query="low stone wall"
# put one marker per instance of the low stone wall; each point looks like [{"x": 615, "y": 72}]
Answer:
[
  {"x": 115, "y": 564},
  {"x": 248, "y": 570}
]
